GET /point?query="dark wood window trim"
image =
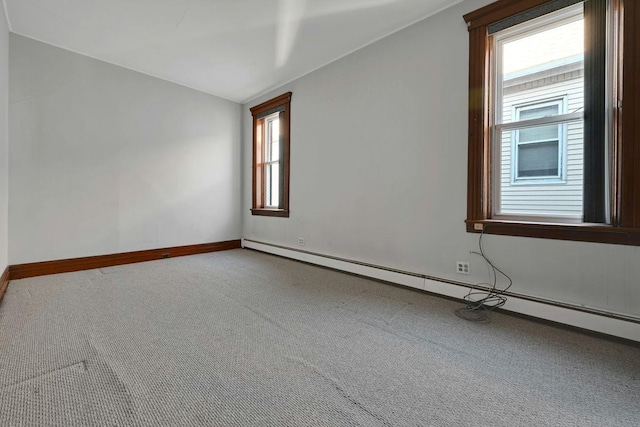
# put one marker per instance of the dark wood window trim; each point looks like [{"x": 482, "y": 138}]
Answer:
[
  {"x": 625, "y": 226},
  {"x": 280, "y": 104}
]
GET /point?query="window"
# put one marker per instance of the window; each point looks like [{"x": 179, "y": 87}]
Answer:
[
  {"x": 537, "y": 151},
  {"x": 537, "y": 70},
  {"x": 552, "y": 149},
  {"x": 271, "y": 157},
  {"x": 271, "y": 165}
]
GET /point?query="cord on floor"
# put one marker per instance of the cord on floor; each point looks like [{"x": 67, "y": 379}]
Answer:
[{"x": 479, "y": 302}]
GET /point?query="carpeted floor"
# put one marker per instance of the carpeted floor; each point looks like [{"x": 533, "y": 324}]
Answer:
[{"x": 240, "y": 338}]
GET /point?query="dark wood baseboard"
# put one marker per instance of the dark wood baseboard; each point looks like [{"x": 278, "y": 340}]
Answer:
[
  {"x": 4, "y": 283},
  {"x": 33, "y": 269}
]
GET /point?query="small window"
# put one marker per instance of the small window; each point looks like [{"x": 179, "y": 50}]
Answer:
[
  {"x": 538, "y": 150},
  {"x": 538, "y": 159},
  {"x": 272, "y": 161},
  {"x": 271, "y": 157}
]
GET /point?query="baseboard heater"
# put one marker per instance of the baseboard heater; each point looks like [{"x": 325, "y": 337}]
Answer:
[{"x": 590, "y": 319}]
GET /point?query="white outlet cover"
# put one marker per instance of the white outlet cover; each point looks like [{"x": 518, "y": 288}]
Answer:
[{"x": 462, "y": 267}]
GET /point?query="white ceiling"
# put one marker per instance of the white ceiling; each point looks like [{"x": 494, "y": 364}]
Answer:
[{"x": 235, "y": 49}]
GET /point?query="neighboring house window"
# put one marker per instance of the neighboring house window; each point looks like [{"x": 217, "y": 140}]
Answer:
[
  {"x": 271, "y": 126},
  {"x": 552, "y": 150},
  {"x": 538, "y": 150}
]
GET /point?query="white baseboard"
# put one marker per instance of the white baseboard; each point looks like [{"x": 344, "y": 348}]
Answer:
[{"x": 610, "y": 324}]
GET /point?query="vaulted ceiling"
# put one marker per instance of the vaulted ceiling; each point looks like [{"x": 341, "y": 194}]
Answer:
[{"x": 235, "y": 49}]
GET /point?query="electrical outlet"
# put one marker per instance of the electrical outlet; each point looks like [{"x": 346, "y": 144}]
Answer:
[
  {"x": 462, "y": 267},
  {"x": 301, "y": 241},
  {"x": 478, "y": 226}
]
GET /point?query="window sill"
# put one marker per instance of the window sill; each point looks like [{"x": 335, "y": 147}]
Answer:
[
  {"x": 575, "y": 232},
  {"x": 281, "y": 213},
  {"x": 533, "y": 181}
]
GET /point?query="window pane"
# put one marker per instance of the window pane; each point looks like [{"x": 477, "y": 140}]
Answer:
[
  {"x": 267, "y": 185},
  {"x": 275, "y": 129},
  {"x": 272, "y": 165},
  {"x": 538, "y": 133},
  {"x": 521, "y": 187},
  {"x": 537, "y": 112},
  {"x": 538, "y": 171},
  {"x": 538, "y": 62},
  {"x": 539, "y": 159},
  {"x": 272, "y": 137},
  {"x": 544, "y": 47},
  {"x": 275, "y": 151},
  {"x": 272, "y": 185}
]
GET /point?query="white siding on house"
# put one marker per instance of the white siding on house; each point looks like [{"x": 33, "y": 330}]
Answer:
[{"x": 549, "y": 197}]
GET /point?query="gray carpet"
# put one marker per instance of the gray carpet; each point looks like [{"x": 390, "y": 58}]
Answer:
[{"x": 241, "y": 338}]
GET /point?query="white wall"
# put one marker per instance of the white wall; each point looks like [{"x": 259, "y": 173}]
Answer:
[
  {"x": 379, "y": 167},
  {"x": 107, "y": 160},
  {"x": 4, "y": 141}
]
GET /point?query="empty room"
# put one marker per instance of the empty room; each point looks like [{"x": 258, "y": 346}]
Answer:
[{"x": 319, "y": 213}]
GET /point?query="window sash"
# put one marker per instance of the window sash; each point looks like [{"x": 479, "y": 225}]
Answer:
[
  {"x": 269, "y": 153},
  {"x": 562, "y": 121},
  {"x": 498, "y": 127},
  {"x": 559, "y": 119},
  {"x": 271, "y": 179},
  {"x": 533, "y": 26},
  {"x": 597, "y": 151}
]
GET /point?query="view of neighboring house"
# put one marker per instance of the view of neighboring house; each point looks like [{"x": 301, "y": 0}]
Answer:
[
  {"x": 538, "y": 135},
  {"x": 542, "y": 167}
]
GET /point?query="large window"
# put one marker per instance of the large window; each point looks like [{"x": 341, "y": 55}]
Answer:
[
  {"x": 271, "y": 157},
  {"x": 552, "y": 151},
  {"x": 537, "y": 69}
]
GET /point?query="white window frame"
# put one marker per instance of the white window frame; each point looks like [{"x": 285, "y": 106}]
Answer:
[
  {"x": 497, "y": 126},
  {"x": 267, "y": 156},
  {"x": 561, "y": 177}
]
